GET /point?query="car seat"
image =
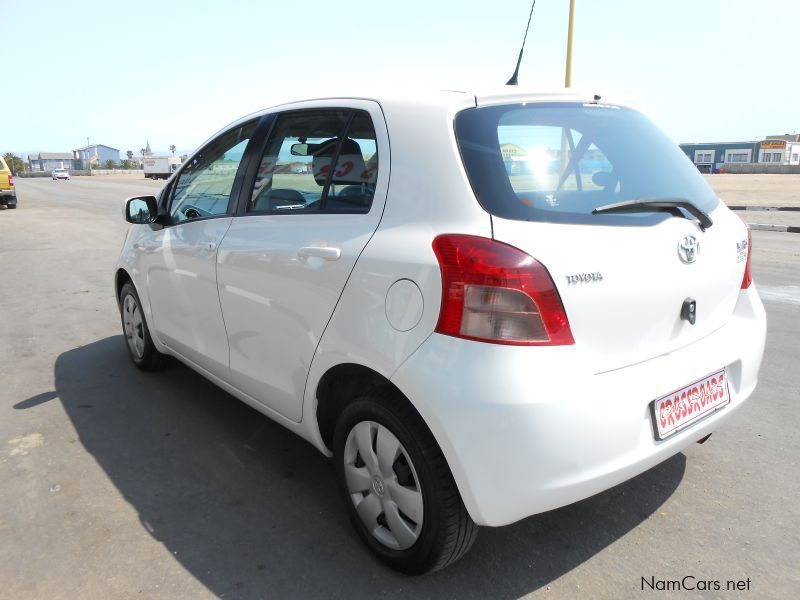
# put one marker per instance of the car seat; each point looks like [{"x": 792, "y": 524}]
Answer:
[{"x": 350, "y": 171}]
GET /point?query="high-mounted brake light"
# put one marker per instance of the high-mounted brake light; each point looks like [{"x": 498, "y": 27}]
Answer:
[
  {"x": 748, "y": 277},
  {"x": 493, "y": 292}
]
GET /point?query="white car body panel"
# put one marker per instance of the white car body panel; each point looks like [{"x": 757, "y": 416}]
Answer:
[
  {"x": 643, "y": 281},
  {"x": 420, "y": 203},
  {"x": 179, "y": 266},
  {"x": 524, "y": 429},
  {"x": 277, "y": 299}
]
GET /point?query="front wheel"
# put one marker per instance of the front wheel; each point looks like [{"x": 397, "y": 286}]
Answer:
[
  {"x": 397, "y": 486},
  {"x": 137, "y": 335}
]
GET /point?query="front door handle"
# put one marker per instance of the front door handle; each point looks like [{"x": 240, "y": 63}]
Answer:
[
  {"x": 146, "y": 246},
  {"x": 320, "y": 252}
]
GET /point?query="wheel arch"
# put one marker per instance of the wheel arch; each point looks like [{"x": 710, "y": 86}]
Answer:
[
  {"x": 345, "y": 382},
  {"x": 121, "y": 277}
]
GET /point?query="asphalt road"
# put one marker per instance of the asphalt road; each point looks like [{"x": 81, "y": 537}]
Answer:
[{"x": 119, "y": 484}]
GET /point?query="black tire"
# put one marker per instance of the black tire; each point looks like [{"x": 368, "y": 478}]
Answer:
[
  {"x": 150, "y": 359},
  {"x": 447, "y": 531},
  {"x": 11, "y": 205}
]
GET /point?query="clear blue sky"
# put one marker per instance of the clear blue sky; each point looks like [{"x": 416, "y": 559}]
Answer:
[{"x": 175, "y": 72}]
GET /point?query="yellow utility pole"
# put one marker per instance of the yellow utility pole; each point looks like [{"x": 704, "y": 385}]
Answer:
[
  {"x": 568, "y": 76},
  {"x": 567, "y": 82}
]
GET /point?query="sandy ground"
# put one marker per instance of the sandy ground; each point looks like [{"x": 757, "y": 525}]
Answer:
[{"x": 757, "y": 189}]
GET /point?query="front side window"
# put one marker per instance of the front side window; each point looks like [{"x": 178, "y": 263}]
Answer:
[
  {"x": 557, "y": 162},
  {"x": 317, "y": 160},
  {"x": 203, "y": 188}
]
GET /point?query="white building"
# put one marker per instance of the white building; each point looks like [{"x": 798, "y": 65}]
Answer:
[
  {"x": 98, "y": 153},
  {"x": 780, "y": 150}
]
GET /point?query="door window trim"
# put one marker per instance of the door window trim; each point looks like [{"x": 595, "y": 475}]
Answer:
[
  {"x": 238, "y": 179},
  {"x": 258, "y": 153}
]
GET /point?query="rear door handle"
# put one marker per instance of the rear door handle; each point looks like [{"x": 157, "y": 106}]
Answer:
[
  {"x": 210, "y": 246},
  {"x": 320, "y": 252}
]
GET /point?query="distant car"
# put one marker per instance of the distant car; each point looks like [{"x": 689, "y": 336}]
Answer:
[
  {"x": 8, "y": 194},
  {"x": 60, "y": 174},
  {"x": 473, "y": 344}
]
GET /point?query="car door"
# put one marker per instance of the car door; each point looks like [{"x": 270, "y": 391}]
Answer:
[
  {"x": 316, "y": 200},
  {"x": 179, "y": 260}
]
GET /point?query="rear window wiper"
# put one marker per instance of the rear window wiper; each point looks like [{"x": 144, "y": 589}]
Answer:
[{"x": 645, "y": 204}]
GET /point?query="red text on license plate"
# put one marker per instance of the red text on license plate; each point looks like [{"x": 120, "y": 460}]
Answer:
[{"x": 681, "y": 408}]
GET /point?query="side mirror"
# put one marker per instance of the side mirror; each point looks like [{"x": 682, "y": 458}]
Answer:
[{"x": 141, "y": 210}]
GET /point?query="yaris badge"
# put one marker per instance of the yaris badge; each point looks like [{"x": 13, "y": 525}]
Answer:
[{"x": 688, "y": 249}]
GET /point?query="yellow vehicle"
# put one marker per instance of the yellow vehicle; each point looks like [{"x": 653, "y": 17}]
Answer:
[{"x": 8, "y": 194}]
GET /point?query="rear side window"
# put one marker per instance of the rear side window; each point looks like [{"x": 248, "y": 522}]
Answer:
[
  {"x": 558, "y": 162},
  {"x": 3, "y": 166},
  {"x": 317, "y": 161}
]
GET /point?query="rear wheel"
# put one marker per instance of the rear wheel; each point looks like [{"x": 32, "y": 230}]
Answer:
[
  {"x": 11, "y": 205},
  {"x": 397, "y": 486},
  {"x": 137, "y": 336}
]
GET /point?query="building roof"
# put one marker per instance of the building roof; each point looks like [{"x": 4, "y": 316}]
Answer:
[
  {"x": 96, "y": 146},
  {"x": 716, "y": 143},
  {"x": 787, "y": 137},
  {"x": 51, "y": 156}
]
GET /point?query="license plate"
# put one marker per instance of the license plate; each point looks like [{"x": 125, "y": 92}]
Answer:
[{"x": 681, "y": 408}]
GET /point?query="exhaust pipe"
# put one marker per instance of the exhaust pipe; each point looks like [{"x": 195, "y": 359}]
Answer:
[{"x": 704, "y": 439}]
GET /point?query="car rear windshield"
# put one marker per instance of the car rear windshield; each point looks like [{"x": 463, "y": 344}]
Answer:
[{"x": 557, "y": 162}]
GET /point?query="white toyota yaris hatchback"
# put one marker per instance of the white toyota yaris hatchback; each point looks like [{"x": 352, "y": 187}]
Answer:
[{"x": 483, "y": 306}]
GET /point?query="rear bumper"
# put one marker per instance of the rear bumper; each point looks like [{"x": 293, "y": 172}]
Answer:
[
  {"x": 8, "y": 196},
  {"x": 526, "y": 430}
]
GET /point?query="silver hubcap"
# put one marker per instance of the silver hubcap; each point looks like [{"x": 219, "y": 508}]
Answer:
[
  {"x": 383, "y": 485},
  {"x": 133, "y": 325}
]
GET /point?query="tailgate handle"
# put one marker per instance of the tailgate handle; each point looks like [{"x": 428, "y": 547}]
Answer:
[
  {"x": 689, "y": 310},
  {"x": 320, "y": 252}
]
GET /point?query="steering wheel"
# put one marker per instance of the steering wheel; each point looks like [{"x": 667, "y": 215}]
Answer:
[
  {"x": 606, "y": 179},
  {"x": 192, "y": 212}
]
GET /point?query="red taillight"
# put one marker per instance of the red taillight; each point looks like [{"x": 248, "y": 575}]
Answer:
[
  {"x": 11, "y": 180},
  {"x": 493, "y": 292},
  {"x": 748, "y": 277}
]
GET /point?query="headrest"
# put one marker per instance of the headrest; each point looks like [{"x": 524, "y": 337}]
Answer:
[{"x": 350, "y": 167}]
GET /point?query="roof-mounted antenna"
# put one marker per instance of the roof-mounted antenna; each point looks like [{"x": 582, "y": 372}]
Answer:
[{"x": 513, "y": 80}]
